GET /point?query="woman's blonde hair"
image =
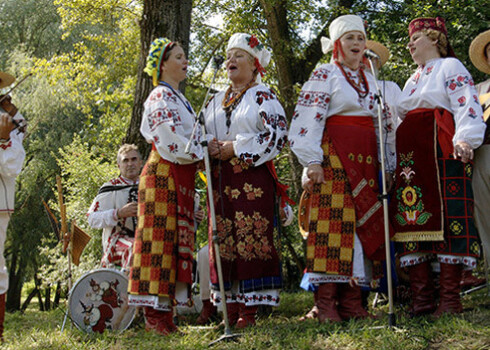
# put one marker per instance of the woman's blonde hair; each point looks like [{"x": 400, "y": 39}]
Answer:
[{"x": 441, "y": 38}]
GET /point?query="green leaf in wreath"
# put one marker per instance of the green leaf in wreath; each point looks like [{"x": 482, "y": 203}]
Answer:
[
  {"x": 423, "y": 218},
  {"x": 400, "y": 219}
]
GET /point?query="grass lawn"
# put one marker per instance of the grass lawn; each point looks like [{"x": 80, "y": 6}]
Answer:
[{"x": 281, "y": 330}]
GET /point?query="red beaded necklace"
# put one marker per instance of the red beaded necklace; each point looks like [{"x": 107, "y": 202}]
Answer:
[{"x": 362, "y": 81}]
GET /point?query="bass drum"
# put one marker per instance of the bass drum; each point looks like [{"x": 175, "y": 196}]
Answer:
[{"x": 99, "y": 301}]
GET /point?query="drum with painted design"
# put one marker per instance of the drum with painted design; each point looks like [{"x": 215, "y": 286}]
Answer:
[{"x": 99, "y": 301}]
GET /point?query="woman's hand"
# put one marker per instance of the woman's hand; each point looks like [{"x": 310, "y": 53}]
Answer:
[
  {"x": 389, "y": 181},
  {"x": 6, "y": 126},
  {"x": 222, "y": 150},
  {"x": 463, "y": 150},
  {"x": 315, "y": 174}
]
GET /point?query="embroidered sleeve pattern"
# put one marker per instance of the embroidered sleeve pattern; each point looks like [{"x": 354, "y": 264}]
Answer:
[
  {"x": 467, "y": 112},
  {"x": 256, "y": 149},
  {"x": 163, "y": 125},
  {"x": 309, "y": 117}
]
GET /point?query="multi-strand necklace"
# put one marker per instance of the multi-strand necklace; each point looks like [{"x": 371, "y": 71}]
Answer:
[
  {"x": 362, "y": 81},
  {"x": 230, "y": 102}
]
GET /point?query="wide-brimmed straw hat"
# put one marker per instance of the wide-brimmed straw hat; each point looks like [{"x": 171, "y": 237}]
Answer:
[
  {"x": 477, "y": 52},
  {"x": 6, "y": 80},
  {"x": 380, "y": 50}
]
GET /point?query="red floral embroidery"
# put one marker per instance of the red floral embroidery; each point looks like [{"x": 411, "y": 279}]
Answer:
[
  {"x": 253, "y": 41},
  {"x": 462, "y": 101},
  {"x": 5, "y": 146}
]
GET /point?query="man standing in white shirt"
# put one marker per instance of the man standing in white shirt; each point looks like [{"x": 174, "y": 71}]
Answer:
[{"x": 114, "y": 209}]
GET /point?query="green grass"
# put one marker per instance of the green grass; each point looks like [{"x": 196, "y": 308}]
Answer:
[{"x": 281, "y": 330}]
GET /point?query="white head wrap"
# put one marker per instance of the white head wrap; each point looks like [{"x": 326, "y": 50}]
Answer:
[
  {"x": 339, "y": 27},
  {"x": 250, "y": 44}
]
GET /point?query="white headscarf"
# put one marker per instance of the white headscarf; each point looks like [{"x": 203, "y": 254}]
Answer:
[
  {"x": 339, "y": 27},
  {"x": 250, "y": 44}
]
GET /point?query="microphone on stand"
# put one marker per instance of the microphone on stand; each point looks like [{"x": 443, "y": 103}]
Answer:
[
  {"x": 218, "y": 61},
  {"x": 370, "y": 54}
]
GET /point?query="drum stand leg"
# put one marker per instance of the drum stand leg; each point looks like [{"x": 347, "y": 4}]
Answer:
[{"x": 64, "y": 321}]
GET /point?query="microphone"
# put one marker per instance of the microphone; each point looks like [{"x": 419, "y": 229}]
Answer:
[
  {"x": 370, "y": 54},
  {"x": 218, "y": 61}
]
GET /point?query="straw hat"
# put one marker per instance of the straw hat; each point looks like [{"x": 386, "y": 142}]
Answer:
[
  {"x": 380, "y": 50},
  {"x": 477, "y": 52},
  {"x": 5, "y": 79}
]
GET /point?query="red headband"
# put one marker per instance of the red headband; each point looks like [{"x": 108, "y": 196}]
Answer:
[{"x": 427, "y": 23}]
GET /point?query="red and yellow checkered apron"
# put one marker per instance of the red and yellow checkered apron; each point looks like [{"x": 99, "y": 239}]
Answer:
[{"x": 164, "y": 240}]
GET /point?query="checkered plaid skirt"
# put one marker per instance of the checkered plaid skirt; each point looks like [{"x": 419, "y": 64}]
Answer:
[
  {"x": 347, "y": 202},
  {"x": 164, "y": 240}
]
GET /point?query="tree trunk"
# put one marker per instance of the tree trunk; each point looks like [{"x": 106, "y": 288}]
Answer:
[
  {"x": 57, "y": 295},
  {"x": 47, "y": 298},
  {"x": 277, "y": 24},
  {"x": 16, "y": 274},
  {"x": 26, "y": 303},
  {"x": 39, "y": 295},
  {"x": 171, "y": 19}
]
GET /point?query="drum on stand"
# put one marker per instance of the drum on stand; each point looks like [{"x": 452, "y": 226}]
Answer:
[{"x": 99, "y": 301}]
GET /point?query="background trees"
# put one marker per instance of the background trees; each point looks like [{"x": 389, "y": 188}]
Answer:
[{"x": 86, "y": 95}]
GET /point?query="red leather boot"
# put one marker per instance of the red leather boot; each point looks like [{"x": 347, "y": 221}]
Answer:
[
  {"x": 422, "y": 287},
  {"x": 327, "y": 303},
  {"x": 350, "y": 302},
  {"x": 232, "y": 310},
  {"x": 208, "y": 311},
  {"x": 159, "y": 321},
  {"x": 449, "y": 298},
  {"x": 247, "y": 316}
]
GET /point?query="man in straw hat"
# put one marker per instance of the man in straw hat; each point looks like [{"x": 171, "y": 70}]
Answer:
[
  {"x": 12, "y": 155},
  {"x": 480, "y": 57},
  {"x": 115, "y": 207}
]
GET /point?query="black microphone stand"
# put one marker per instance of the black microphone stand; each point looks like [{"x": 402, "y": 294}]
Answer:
[
  {"x": 228, "y": 335},
  {"x": 384, "y": 196}
]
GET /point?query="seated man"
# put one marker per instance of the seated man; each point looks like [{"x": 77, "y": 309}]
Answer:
[{"x": 115, "y": 208}]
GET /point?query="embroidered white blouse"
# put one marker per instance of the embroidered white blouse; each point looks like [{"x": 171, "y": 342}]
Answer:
[
  {"x": 167, "y": 122},
  {"x": 258, "y": 125},
  {"x": 103, "y": 211},
  {"x": 12, "y": 155},
  {"x": 325, "y": 94},
  {"x": 446, "y": 83}
]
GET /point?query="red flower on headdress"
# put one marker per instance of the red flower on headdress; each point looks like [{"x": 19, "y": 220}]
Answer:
[
  {"x": 253, "y": 41},
  {"x": 259, "y": 67}
]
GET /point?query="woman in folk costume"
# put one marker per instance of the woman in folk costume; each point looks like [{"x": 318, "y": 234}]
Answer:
[
  {"x": 248, "y": 128},
  {"x": 161, "y": 271},
  {"x": 480, "y": 56},
  {"x": 390, "y": 91},
  {"x": 333, "y": 134},
  {"x": 432, "y": 205}
]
